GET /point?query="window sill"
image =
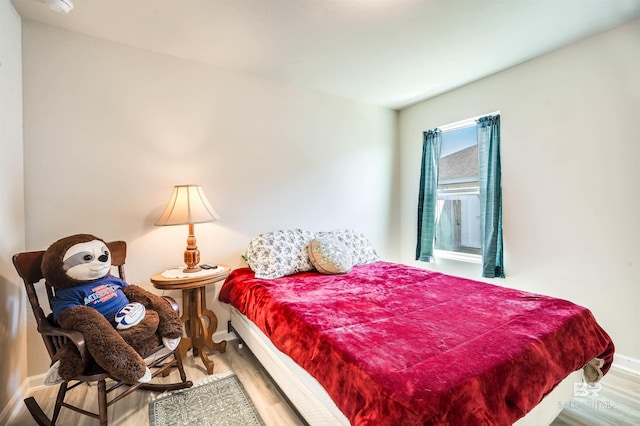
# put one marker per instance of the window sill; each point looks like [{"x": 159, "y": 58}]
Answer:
[{"x": 460, "y": 257}]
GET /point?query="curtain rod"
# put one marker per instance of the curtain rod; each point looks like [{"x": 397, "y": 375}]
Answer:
[{"x": 464, "y": 123}]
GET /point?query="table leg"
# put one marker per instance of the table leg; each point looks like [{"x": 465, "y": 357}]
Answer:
[
  {"x": 200, "y": 324},
  {"x": 185, "y": 343}
]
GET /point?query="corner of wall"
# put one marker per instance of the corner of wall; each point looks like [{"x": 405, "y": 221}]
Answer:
[{"x": 13, "y": 369}]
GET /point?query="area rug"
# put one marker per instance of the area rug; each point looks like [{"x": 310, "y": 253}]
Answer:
[{"x": 218, "y": 400}]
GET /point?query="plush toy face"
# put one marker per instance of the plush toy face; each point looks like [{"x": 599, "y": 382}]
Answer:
[
  {"x": 75, "y": 260},
  {"x": 87, "y": 261}
]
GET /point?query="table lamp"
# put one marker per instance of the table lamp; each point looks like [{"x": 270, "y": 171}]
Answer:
[{"x": 188, "y": 206}]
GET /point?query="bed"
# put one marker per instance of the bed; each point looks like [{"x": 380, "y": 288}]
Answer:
[{"x": 390, "y": 344}]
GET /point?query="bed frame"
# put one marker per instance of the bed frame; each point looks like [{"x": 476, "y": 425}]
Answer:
[{"x": 314, "y": 404}]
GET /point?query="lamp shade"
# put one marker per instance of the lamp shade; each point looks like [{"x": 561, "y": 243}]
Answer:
[{"x": 187, "y": 205}]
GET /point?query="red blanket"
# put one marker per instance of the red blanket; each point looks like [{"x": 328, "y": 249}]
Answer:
[{"x": 397, "y": 345}]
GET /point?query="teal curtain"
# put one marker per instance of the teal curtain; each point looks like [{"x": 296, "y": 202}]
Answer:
[
  {"x": 490, "y": 195},
  {"x": 431, "y": 143}
]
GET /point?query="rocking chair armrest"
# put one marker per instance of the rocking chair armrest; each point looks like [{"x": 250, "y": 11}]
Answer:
[
  {"x": 76, "y": 337},
  {"x": 172, "y": 302}
]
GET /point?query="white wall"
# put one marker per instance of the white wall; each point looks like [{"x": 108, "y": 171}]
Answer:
[
  {"x": 570, "y": 157},
  {"x": 110, "y": 129},
  {"x": 13, "y": 368}
]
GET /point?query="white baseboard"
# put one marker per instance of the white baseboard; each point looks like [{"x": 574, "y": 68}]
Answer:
[
  {"x": 626, "y": 364},
  {"x": 223, "y": 335},
  {"x": 35, "y": 383}
]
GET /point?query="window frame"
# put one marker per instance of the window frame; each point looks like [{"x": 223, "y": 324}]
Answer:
[{"x": 449, "y": 254}]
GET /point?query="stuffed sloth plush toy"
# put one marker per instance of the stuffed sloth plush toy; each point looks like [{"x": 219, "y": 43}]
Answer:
[{"x": 91, "y": 300}]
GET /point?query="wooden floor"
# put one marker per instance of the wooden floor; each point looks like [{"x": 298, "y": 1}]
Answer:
[
  {"x": 617, "y": 402},
  {"x": 133, "y": 410}
]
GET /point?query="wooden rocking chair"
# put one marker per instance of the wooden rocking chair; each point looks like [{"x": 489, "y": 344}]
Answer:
[{"x": 28, "y": 266}]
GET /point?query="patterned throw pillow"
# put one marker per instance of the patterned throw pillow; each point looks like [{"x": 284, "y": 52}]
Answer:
[
  {"x": 329, "y": 256},
  {"x": 361, "y": 250},
  {"x": 280, "y": 253}
]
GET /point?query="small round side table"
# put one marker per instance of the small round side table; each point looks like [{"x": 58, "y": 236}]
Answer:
[{"x": 199, "y": 322}]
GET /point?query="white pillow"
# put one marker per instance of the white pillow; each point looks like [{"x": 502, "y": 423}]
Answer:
[
  {"x": 361, "y": 250},
  {"x": 280, "y": 253},
  {"x": 330, "y": 257}
]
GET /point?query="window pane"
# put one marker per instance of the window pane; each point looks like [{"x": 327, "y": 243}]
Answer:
[{"x": 458, "y": 224}]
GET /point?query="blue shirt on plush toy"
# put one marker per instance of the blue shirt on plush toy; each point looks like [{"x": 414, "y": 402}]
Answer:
[{"x": 105, "y": 295}]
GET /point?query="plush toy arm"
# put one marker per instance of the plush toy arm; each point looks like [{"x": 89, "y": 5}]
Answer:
[
  {"x": 83, "y": 319},
  {"x": 170, "y": 325},
  {"x": 104, "y": 343},
  {"x": 138, "y": 294}
]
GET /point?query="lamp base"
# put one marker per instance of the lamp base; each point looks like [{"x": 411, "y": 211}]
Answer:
[{"x": 191, "y": 254}]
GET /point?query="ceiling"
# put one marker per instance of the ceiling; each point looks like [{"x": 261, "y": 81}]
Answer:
[{"x": 390, "y": 53}]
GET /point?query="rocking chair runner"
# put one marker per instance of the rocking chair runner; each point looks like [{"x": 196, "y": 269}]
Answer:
[{"x": 28, "y": 266}]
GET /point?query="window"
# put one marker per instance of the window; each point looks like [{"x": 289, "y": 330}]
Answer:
[
  {"x": 458, "y": 230},
  {"x": 460, "y": 195}
]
